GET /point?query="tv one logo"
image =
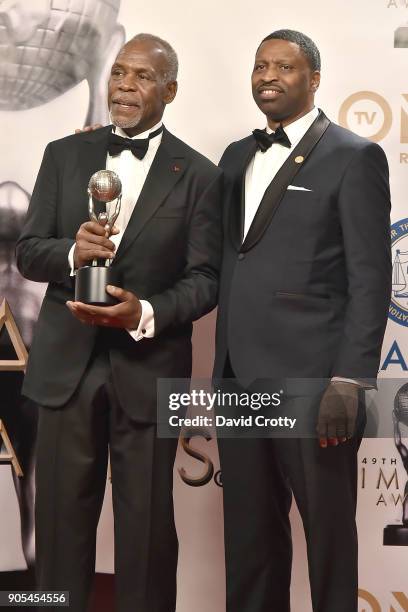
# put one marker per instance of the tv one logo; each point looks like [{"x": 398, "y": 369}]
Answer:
[
  {"x": 370, "y": 115},
  {"x": 397, "y": 598}
]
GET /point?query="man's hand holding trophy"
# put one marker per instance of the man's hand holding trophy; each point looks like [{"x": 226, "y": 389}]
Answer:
[{"x": 98, "y": 301}]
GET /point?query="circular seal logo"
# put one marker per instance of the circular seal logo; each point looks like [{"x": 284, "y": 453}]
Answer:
[{"x": 398, "y": 310}]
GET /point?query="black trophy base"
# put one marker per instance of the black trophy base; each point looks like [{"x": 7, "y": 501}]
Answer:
[
  {"x": 90, "y": 285},
  {"x": 395, "y": 535}
]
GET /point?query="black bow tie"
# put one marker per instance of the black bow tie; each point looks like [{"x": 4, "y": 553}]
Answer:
[
  {"x": 138, "y": 146},
  {"x": 265, "y": 140}
]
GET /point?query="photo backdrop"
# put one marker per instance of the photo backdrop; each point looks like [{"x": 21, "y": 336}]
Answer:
[{"x": 54, "y": 59}]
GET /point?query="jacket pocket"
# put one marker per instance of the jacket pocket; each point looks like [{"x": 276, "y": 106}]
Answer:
[{"x": 295, "y": 295}]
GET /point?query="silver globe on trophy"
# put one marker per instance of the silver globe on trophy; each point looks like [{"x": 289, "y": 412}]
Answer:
[
  {"x": 104, "y": 188},
  {"x": 397, "y": 535}
]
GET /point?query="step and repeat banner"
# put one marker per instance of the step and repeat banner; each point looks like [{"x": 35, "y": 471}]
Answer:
[{"x": 55, "y": 56}]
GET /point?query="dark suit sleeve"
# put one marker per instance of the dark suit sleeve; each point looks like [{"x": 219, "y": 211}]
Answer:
[
  {"x": 196, "y": 292},
  {"x": 41, "y": 256},
  {"x": 364, "y": 208},
  {"x": 226, "y": 154}
]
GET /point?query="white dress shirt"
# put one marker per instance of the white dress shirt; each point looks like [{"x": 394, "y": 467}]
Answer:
[
  {"x": 263, "y": 168},
  {"x": 132, "y": 173}
]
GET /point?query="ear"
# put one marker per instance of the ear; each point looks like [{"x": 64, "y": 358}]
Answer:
[
  {"x": 315, "y": 81},
  {"x": 170, "y": 92}
]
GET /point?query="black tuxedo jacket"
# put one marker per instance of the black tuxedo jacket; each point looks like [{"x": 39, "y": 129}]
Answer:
[
  {"x": 307, "y": 293},
  {"x": 170, "y": 255}
]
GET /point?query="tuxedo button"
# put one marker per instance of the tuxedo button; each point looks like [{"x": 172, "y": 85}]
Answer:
[{"x": 241, "y": 256}]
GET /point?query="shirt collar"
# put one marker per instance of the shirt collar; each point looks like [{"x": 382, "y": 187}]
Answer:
[
  {"x": 298, "y": 128},
  {"x": 117, "y": 130}
]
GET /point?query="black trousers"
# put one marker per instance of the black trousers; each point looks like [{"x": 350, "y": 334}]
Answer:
[
  {"x": 72, "y": 455},
  {"x": 259, "y": 476}
]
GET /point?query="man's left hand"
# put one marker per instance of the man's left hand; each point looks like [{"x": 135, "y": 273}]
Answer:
[
  {"x": 125, "y": 315},
  {"x": 337, "y": 413}
]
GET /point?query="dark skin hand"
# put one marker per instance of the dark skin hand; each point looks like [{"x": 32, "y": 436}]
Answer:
[
  {"x": 337, "y": 413},
  {"x": 125, "y": 315},
  {"x": 92, "y": 242}
]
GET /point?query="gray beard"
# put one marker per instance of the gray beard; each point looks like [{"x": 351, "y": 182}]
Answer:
[{"x": 123, "y": 124}]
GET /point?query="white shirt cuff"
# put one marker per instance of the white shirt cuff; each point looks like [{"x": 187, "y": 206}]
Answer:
[
  {"x": 353, "y": 381},
  {"x": 146, "y": 325},
  {"x": 71, "y": 260}
]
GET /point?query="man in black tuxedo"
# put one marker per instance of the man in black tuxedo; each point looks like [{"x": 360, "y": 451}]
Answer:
[
  {"x": 304, "y": 293},
  {"x": 93, "y": 370}
]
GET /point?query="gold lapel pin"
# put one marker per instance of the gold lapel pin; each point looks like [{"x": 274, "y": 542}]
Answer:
[{"x": 299, "y": 159}]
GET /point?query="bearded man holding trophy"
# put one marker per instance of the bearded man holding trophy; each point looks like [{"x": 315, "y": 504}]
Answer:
[{"x": 130, "y": 215}]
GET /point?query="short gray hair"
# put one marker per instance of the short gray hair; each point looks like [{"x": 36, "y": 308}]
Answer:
[{"x": 171, "y": 55}]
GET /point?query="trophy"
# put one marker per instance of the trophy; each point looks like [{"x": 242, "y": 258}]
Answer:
[
  {"x": 90, "y": 285},
  {"x": 397, "y": 535}
]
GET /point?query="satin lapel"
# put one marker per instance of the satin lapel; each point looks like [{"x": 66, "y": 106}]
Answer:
[
  {"x": 277, "y": 188},
  {"x": 236, "y": 216},
  {"x": 92, "y": 157},
  {"x": 166, "y": 170}
]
